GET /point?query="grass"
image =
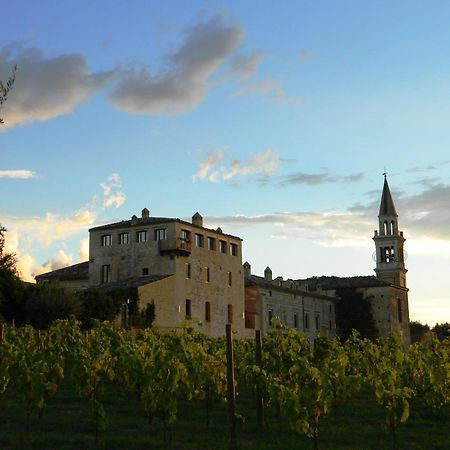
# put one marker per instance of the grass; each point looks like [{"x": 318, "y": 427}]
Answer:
[{"x": 66, "y": 424}]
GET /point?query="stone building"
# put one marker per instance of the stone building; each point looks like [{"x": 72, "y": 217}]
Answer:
[
  {"x": 184, "y": 269},
  {"x": 188, "y": 271},
  {"x": 267, "y": 300},
  {"x": 387, "y": 291}
]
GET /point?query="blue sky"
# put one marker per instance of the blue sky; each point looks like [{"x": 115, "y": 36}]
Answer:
[{"x": 274, "y": 120}]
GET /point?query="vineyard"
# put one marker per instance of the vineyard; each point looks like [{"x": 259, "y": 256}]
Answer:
[{"x": 285, "y": 385}]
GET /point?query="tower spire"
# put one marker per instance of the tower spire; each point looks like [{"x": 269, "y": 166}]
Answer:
[
  {"x": 389, "y": 241},
  {"x": 387, "y": 207}
]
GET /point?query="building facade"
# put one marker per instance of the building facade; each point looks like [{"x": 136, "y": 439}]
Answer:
[
  {"x": 188, "y": 271},
  {"x": 185, "y": 270},
  {"x": 270, "y": 300}
]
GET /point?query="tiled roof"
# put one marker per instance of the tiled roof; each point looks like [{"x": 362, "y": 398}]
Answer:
[
  {"x": 343, "y": 282},
  {"x": 255, "y": 280},
  {"x": 146, "y": 221},
  {"x": 75, "y": 272},
  {"x": 130, "y": 283}
]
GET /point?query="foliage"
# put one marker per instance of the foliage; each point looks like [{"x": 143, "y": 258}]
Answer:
[
  {"x": 442, "y": 330},
  {"x": 97, "y": 305},
  {"x": 418, "y": 330},
  {"x": 5, "y": 88},
  {"x": 47, "y": 302},
  {"x": 305, "y": 382},
  {"x": 354, "y": 312},
  {"x": 11, "y": 288}
]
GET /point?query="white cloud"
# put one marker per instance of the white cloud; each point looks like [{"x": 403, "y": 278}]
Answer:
[
  {"x": 116, "y": 199},
  {"x": 184, "y": 83},
  {"x": 83, "y": 249},
  {"x": 207, "y": 165},
  {"x": 22, "y": 174},
  {"x": 46, "y": 87},
  {"x": 264, "y": 163}
]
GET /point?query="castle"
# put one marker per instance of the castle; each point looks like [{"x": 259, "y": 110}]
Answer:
[{"x": 185, "y": 270}]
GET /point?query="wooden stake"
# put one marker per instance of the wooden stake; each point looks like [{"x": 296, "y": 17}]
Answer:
[{"x": 231, "y": 395}]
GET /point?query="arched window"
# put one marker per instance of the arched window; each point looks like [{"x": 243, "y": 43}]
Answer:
[
  {"x": 385, "y": 227},
  {"x": 392, "y": 227}
]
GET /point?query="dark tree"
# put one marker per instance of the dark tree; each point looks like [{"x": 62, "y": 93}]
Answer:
[
  {"x": 354, "y": 312},
  {"x": 47, "y": 302},
  {"x": 442, "y": 330},
  {"x": 418, "y": 331},
  {"x": 97, "y": 305},
  {"x": 11, "y": 287},
  {"x": 5, "y": 88}
]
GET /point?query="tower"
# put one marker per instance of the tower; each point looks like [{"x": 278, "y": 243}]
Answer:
[{"x": 389, "y": 242}]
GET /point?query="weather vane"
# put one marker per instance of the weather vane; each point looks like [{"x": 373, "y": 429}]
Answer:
[{"x": 385, "y": 172}]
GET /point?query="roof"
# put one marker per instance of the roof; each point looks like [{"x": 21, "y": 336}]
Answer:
[
  {"x": 344, "y": 282},
  {"x": 146, "y": 221},
  {"x": 75, "y": 272},
  {"x": 254, "y": 280},
  {"x": 130, "y": 283},
  {"x": 387, "y": 207}
]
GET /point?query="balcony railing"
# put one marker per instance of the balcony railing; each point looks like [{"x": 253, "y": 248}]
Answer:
[{"x": 180, "y": 246}]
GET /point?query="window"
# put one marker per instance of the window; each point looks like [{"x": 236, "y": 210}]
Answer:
[
  {"x": 270, "y": 316},
  {"x": 145, "y": 271},
  {"x": 198, "y": 240},
  {"x": 295, "y": 321},
  {"x": 188, "y": 309},
  {"x": 185, "y": 235},
  {"x": 233, "y": 249},
  {"x": 188, "y": 270},
  {"x": 211, "y": 243},
  {"x": 330, "y": 308},
  {"x": 399, "y": 310},
  {"x": 230, "y": 313},
  {"x": 208, "y": 274},
  {"x": 106, "y": 240},
  {"x": 124, "y": 238},
  {"x": 317, "y": 322},
  {"x": 306, "y": 321},
  {"x": 207, "y": 312},
  {"x": 141, "y": 236},
  {"x": 160, "y": 234},
  {"x": 329, "y": 324},
  {"x": 106, "y": 274},
  {"x": 222, "y": 246},
  {"x": 270, "y": 293},
  {"x": 230, "y": 279}
]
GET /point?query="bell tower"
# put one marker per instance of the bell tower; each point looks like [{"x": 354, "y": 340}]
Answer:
[{"x": 389, "y": 242}]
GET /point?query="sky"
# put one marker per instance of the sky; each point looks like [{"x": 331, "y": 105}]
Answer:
[{"x": 274, "y": 120}]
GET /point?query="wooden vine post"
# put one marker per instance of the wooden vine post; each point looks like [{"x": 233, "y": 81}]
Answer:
[{"x": 231, "y": 394}]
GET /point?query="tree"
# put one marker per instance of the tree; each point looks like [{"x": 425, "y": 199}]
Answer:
[
  {"x": 418, "y": 331},
  {"x": 47, "y": 302},
  {"x": 5, "y": 88},
  {"x": 354, "y": 312},
  {"x": 442, "y": 330},
  {"x": 11, "y": 288},
  {"x": 97, "y": 305}
]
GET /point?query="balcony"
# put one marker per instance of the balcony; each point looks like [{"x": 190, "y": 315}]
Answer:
[{"x": 175, "y": 246}]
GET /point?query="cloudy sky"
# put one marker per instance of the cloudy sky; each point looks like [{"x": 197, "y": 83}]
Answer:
[{"x": 274, "y": 120}]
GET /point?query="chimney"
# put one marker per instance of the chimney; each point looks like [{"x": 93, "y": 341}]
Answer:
[
  {"x": 247, "y": 269},
  {"x": 145, "y": 213},
  {"x": 197, "y": 220},
  {"x": 268, "y": 274},
  {"x": 134, "y": 219}
]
